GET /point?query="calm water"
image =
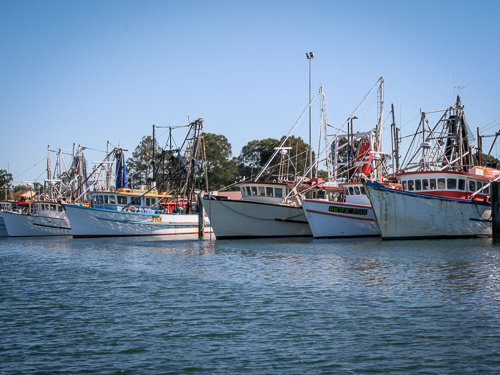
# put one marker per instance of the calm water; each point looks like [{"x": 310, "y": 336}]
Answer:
[{"x": 155, "y": 306}]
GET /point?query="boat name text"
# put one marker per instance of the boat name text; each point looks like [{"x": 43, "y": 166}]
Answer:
[{"x": 348, "y": 210}]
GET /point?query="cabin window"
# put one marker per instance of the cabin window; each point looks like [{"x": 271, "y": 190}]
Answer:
[
  {"x": 105, "y": 199},
  {"x": 479, "y": 185},
  {"x": 425, "y": 184},
  {"x": 346, "y": 191},
  {"x": 262, "y": 190},
  {"x": 269, "y": 191},
  {"x": 52, "y": 207},
  {"x": 404, "y": 185},
  {"x": 411, "y": 185},
  {"x": 112, "y": 199},
  {"x": 363, "y": 190},
  {"x": 254, "y": 190},
  {"x": 461, "y": 184},
  {"x": 486, "y": 190},
  {"x": 249, "y": 191},
  {"x": 441, "y": 184},
  {"x": 356, "y": 190},
  {"x": 472, "y": 186},
  {"x": 432, "y": 184},
  {"x": 136, "y": 201},
  {"x": 452, "y": 183},
  {"x": 278, "y": 192},
  {"x": 242, "y": 191},
  {"x": 418, "y": 185},
  {"x": 148, "y": 202},
  {"x": 351, "y": 190},
  {"x": 321, "y": 194},
  {"x": 122, "y": 199},
  {"x": 100, "y": 199}
]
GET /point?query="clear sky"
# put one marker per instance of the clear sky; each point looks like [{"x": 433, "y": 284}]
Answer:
[{"x": 88, "y": 72}]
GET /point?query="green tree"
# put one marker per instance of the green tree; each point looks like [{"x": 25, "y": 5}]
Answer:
[
  {"x": 222, "y": 168},
  {"x": 139, "y": 166},
  {"x": 488, "y": 161},
  {"x": 5, "y": 183},
  {"x": 255, "y": 154}
]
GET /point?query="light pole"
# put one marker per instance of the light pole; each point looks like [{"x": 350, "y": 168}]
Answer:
[{"x": 310, "y": 56}]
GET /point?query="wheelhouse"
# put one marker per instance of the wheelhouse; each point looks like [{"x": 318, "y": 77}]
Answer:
[
  {"x": 453, "y": 184},
  {"x": 128, "y": 199},
  {"x": 275, "y": 192}
]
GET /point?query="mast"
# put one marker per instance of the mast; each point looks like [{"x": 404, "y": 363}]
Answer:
[
  {"x": 395, "y": 142},
  {"x": 154, "y": 155},
  {"x": 49, "y": 174}
]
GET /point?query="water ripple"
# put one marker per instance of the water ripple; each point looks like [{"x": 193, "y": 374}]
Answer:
[{"x": 255, "y": 307}]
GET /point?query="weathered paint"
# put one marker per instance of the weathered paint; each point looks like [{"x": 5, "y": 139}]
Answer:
[{"x": 403, "y": 215}]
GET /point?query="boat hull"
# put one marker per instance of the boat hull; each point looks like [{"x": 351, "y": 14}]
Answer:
[
  {"x": 3, "y": 229},
  {"x": 338, "y": 220},
  {"x": 238, "y": 219},
  {"x": 407, "y": 215},
  {"x": 94, "y": 222},
  {"x": 20, "y": 225}
]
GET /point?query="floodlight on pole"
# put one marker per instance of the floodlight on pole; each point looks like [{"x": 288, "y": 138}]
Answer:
[{"x": 310, "y": 56}]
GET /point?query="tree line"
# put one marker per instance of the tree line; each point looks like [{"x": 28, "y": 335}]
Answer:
[{"x": 222, "y": 168}]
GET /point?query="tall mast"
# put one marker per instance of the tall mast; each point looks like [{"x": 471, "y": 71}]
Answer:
[
  {"x": 49, "y": 173},
  {"x": 154, "y": 155}
]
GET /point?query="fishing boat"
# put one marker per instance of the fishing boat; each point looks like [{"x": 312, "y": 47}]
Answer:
[
  {"x": 44, "y": 214},
  {"x": 10, "y": 206},
  {"x": 446, "y": 196},
  {"x": 129, "y": 212},
  {"x": 266, "y": 209},
  {"x": 42, "y": 219},
  {"x": 270, "y": 207},
  {"x": 116, "y": 211},
  {"x": 348, "y": 212}
]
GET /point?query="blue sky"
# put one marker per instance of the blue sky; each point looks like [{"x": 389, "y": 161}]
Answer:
[{"x": 88, "y": 72}]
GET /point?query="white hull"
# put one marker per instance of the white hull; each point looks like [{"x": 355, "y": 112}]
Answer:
[
  {"x": 248, "y": 219},
  {"x": 95, "y": 222},
  {"x": 19, "y": 225},
  {"x": 3, "y": 229},
  {"x": 405, "y": 215},
  {"x": 336, "y": 220}
]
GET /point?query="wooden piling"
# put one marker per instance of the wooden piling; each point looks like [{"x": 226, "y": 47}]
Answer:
[
  {"x": 201, "y": 216},
  {"x": 495, "y": 209}
]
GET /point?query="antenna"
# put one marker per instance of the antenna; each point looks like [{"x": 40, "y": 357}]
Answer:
[{"x": 459, "y": 90}]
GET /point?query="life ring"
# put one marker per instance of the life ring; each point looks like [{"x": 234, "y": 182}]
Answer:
[{"x": 131, "y": 209}]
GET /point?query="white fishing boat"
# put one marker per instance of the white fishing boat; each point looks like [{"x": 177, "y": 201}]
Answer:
[
  {"x": 43, "y": 219},
  {"x": 446, "y": 196},
  {"x": 269, "y": 208},
  {"x": 262, "y": 211},
  {"x": 348, "y": 212},
  {"x": 44, "y": 215},
  {"x": 129, "y": 212},
  {"x": 403, "y": 214},
  {"x": 339, "y": 217},
  {"x": 116, "y": 211},
  {"x": 9, "y": 206}
]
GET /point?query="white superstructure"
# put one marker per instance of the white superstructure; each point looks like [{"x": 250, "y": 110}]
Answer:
[
  {"x": 129, "y": 212},
  {"x": 44, "y": 219}
]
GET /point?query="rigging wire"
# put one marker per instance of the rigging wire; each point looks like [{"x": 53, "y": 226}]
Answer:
[{"x": 31, "y": 168}]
